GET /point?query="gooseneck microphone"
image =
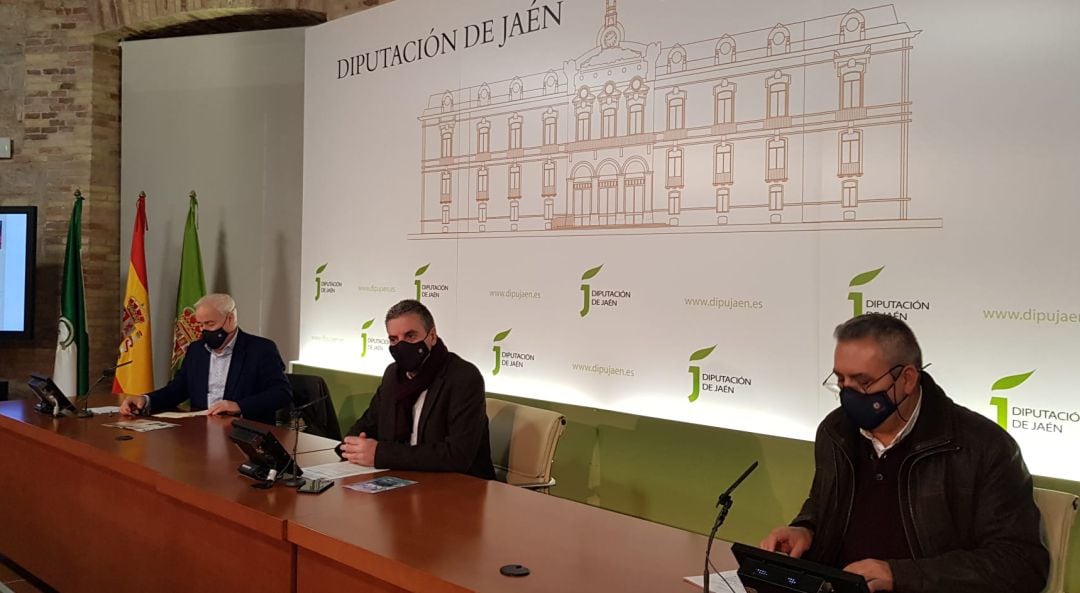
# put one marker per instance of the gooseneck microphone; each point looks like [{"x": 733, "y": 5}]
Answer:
[
  {"x": 294, "y": 480},
  {"x": 108, "y": 373},
  {"x": 724, "y": 503}
]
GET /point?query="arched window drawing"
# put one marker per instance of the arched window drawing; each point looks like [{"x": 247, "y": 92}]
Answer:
[
  {"x": 776, "y": 159},
  {"x": 634, "y": 192},
  {"x": 551, "y": 84},
  {"x": 676, "y": 110},
  {"x": 483, "y": 136},
  {"x": 724, "y": 108},
  {"x": 723, "y": 167},
  {"x": 447, "y": 101},
  {"x": 608, "y": 126},
  {"x": 514, "y": 182},
  {"x": 850, "y": 153},
  {"x": 551, "y": 126},
  {"x": 445, "y": 186},
  {"x": 776, "y": 91},
  {"x": 580, "y": 204},
  {"x": 482, "y": 183},
  {"x": 725, "y": 50},
  {"x": 445, "y": 214},
  {"x": 636, "y": 96},
  {"x": 779, "y": 40},
  {"x": 584, "y": 126},
  {"x": 446, "y": 144},
  {"x": 677, "y": 59},
  {"x": 851, "y": 89},
  {"x": 607, "y": 195},
  {"x": 515, "y": 132},
  {"x": 481, "y": 212},
  {"x": 723, "y": 199},
  {"x": 852, "y": 27},
  {"x": 548, "y": 187},
  {"x": 515, "y": 89},
  {"x": 674, "y": 167},
  {"x": 484, "y": 96}
]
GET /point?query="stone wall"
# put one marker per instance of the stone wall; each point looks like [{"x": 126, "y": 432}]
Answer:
[{"x": 60, "y": 104}]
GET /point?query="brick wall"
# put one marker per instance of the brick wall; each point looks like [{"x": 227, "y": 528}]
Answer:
[{"x": 60, "y": 103}]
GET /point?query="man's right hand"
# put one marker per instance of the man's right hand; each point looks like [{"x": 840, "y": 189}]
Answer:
[
  {"x": 793, "y": 541},
  {"x": 132, "y": 405}
]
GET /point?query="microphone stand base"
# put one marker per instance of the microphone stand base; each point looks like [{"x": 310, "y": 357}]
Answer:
[
  {"x": 294, "y": 482},
  {"x": 85, "y": 414}
]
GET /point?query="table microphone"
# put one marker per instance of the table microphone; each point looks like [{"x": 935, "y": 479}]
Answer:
[
  {"x": 295, "y": 481},
  {"x": 724, "y": 503},
  {"x": 108, "y": 373}
]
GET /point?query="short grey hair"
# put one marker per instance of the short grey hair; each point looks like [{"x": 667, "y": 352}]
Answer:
[
  {"x": 415, "y": 307},
  {"x": 218, "y": 301},
  {"x": 897, "y": 341}
]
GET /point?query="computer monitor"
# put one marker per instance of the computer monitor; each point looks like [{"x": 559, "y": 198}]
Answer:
[
  {"x": 263, "y": 450},
  {"x": 769, "y": 572},
  {"x": 18, "y": 245},
  {"x": 51, "y": 400}
]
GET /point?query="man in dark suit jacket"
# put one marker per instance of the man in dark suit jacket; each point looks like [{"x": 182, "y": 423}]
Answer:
[
  {"x": 429, "y": 413},
  {"x": 227, "y": 371}
]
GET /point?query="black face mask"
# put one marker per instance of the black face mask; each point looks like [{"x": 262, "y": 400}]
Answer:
[
  {"x": 866, "y": 410},
  {"x": 410, "y": 355},
  {"x": 215, "y": 338}
]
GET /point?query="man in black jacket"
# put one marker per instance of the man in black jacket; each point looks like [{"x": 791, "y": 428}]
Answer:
[
  {"x": 912, "y": 491},
  {"x": 226, "y": 371},
  {"x": 429, "y": 413}
]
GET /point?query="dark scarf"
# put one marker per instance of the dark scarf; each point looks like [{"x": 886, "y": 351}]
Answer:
[{"x": 406, "y": 391}]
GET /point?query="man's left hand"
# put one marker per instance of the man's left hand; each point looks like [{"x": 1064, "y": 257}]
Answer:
[
  {"x": 878, "y": 575},
  {"x": 224, "y": 407},
  {"x": 360, "y": 450}
]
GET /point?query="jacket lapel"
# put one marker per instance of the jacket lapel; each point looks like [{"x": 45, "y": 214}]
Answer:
[
  {"x": 235, "y": 365},
  {"x": 434, "y": 391}
]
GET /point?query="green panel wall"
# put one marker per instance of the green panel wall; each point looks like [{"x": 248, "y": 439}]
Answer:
[{"x": 665, "y": 471}]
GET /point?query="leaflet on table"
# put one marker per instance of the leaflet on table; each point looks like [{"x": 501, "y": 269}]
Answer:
[
  {"x": 337, "y": 469},
  {"x": 380, "y": 484},
  {"x": 141, "y": 425},
  {"x": 181, "y": 414}
]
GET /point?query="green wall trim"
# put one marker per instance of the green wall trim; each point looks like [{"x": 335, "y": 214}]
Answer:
[{"x": 664, "y": 471}]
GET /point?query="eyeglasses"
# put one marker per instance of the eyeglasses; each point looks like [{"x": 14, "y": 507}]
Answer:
[{"x": 832, "y": 384}]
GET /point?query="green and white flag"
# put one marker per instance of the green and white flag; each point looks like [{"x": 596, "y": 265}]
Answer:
[
  {"x": 71, "y": 369},
  {"x": 192, "y": 287}
]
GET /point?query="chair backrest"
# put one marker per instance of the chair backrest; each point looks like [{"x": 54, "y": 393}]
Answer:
[
  {"x": 523, "y": 441},
  {"x": 320, "y": 418},
  {"x": 1058, "y": 513}
]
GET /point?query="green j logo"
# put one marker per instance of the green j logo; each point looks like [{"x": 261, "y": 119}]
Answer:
[
  {"x": 497, "y": 349},
  {"x": 856, "y": 298},
  {"x": 318, "y": 281},
  {"x": 585, "y": 290},
  {"x": 363, "y": 337},
  {"x": 1002, "y": 403},
  {"x": 419, "y": 272},
  {"x": 695, "y": 371}
]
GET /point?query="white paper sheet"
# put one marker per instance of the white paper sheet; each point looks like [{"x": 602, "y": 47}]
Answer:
[
  {"x": 337, "y": 469},
  {"x": 717, "y": 582}
]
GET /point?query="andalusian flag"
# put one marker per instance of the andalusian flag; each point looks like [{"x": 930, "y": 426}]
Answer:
[
  {"x": 138, "y": 376},
  {"x": 71, "y": 370},
  {"x": 192, "y": 288}
]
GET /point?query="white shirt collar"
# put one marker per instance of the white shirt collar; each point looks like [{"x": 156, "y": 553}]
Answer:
[{"x": 880, "y": 447}]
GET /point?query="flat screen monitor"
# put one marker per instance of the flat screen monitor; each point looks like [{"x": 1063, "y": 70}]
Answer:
[
  {"x": 769, "y": 572},
  {"x": 18, "y": 244}
]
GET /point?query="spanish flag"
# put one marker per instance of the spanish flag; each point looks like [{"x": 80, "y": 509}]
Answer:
[{"x": 137, "y": 377}]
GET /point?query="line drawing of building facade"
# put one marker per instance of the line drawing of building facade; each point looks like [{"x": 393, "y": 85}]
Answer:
[{"x": 800, "y": 126}]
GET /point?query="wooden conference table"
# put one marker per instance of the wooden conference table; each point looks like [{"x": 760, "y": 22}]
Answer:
[{"x": 167, "y": 511}]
